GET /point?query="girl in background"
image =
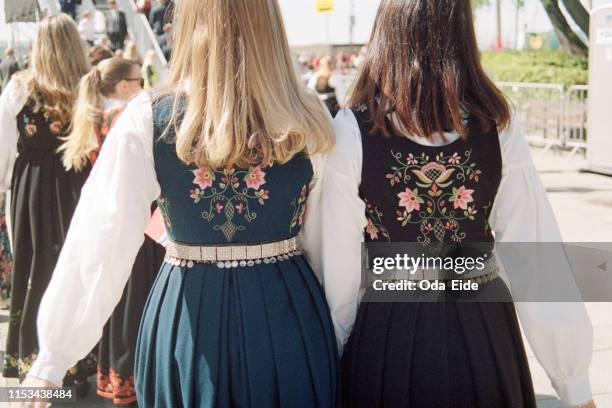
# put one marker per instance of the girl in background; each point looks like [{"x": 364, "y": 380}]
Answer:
[
  {"x": 430, "y": 154},
  {"x": 103, "y": 94},
  {"x": 231, "y": 152},
  {"x": 35, "y": 116},
  {"x": 329, "y": 85}
]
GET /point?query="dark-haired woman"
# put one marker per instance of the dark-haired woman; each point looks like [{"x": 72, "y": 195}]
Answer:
[{"x": 429, "y": 153}]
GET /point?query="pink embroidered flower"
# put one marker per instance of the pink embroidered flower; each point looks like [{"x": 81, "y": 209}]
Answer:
[
  {"x": 371, "y": 229},
  {"x": 240, "y": 208},
  {"x": 454, "y": 159},
  {"x": 410, "y": 200},
  {"x": 411, "y": 159},
  {"x": 204, "y": 177},
  {"x": 461, "y": 197},
  {"x": 30, "y": 129},
  {"x": 255, "y": 178},
  {"x": 219, "y": 208},
  {"x": 56, "y": 127},
  {"x": 263, "y": 194}
]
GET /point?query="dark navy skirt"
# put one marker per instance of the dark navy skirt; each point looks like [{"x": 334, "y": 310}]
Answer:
[
  {"x": 256, "y": 336},
  {"x": 443, "y": 354}
]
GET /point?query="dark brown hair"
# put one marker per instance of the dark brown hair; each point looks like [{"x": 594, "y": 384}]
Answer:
[{"x": 423, "y": 64}]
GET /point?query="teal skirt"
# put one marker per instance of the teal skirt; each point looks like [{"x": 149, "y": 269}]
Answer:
[{"x": 255, "y": 336}]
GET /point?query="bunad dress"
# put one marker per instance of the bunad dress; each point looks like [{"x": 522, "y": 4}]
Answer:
[
  {"x": 450, "y": 192},
  {"x": 236, "y": 316}
]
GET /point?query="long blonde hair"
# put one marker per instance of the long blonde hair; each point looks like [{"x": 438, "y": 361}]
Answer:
[
  {"x": 244, "y": 102},
  {"x": 57, "y": 64},
  {"x": 100, "y": 82}
]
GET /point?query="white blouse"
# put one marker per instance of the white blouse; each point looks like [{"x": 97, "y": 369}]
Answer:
[
  {"x": 12, "y": 101},
  {"x": 105, "y": 235},
  {"x": 560, "y": 334}
]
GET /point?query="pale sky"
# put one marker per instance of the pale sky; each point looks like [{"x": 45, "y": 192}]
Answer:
[{"x": 305, "y": 27}]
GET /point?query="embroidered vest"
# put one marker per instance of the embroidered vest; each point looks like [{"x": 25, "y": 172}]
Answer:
[
  {"x": 428, "y": 194},
  {"x": 232, "y": 205}
]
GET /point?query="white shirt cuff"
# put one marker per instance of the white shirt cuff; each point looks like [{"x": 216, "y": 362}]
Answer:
[
  {"x": 50, "y": 367},
  {"x": 575, "y": 390}
]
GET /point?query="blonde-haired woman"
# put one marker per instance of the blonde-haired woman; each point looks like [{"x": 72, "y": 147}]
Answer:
[
  {"x": 35, "y": 114},
  {"x": 104, "y": 92},
  {"x": 232, "y": 153}
]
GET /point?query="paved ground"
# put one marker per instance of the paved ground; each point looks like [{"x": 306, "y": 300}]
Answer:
[{"x": 583, "y": 205}]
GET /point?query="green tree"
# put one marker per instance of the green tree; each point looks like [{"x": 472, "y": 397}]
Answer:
[{"x": 568, "y": 39}]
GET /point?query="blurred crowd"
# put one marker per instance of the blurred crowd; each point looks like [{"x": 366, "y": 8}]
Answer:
[{"x": 330, "y": 75}]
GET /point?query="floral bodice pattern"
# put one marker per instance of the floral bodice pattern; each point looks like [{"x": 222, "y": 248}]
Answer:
[
  {"x": 228, "y": 205},
  {"x": 38, "y": 128},
  {"x": 428, "y": 194}
]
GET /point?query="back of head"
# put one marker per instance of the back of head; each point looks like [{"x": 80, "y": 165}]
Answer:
[
  {"x": 423, "y": 64},
  {"x": 9, "y": 52},
  {"x": 244, "y": 102},
  {"x": 57, "y": 64},
  {"x": 99, "y": 83}
]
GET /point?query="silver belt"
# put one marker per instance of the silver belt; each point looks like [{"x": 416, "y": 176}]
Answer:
[
  {"x": 489, "y": 272},
  {"x": 227, "y": 256}
]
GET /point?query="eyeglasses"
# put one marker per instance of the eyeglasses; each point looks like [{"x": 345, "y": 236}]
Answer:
[{"x": 141, "y": 80}]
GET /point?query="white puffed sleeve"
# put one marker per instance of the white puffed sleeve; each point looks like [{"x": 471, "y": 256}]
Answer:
[
  {"x": 12, "y": 101},
  {"x": 311, "y": 232},
  {"x": 560, "y": 334},
  {"x": 105, "y": 235},
  {"x": 343, "y": 223}
]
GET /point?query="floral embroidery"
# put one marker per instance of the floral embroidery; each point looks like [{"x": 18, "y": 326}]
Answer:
[
  {"x": 430, "y": 204},
  {"x": 229, "y": 192},
  {"x": 30, "y": 125},
  {"x": 112, "y": 386},
  {"x": 375, "y": 226},
  {"x": 299, "y": 208}
]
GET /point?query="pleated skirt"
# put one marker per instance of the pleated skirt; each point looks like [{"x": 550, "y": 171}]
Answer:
[
  {"x": 117, "y": 347},
  {"x": 257, "y": 336},
  {"x": 43, "y": 199},
  {"x": 437, "y": 354}
]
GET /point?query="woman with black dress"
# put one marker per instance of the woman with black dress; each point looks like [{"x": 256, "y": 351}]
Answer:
[
  {"x": 103, "y": 95},
  {"x": 429, "y": 154},
  {"x": 35, "y": 114}
]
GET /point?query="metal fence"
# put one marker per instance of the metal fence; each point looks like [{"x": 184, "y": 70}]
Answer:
[{"x": 552, "y": 117}]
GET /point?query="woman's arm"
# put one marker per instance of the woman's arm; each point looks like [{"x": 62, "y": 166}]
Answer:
[
  {"x": 343, "y": 223},
  {"x": 560, "y": 334},
  {"x": 12, "y": 101},
  {"x": 105, "y": 235}
]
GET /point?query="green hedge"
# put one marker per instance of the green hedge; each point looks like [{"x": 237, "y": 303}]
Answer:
[{"x": 546, "y": 66}]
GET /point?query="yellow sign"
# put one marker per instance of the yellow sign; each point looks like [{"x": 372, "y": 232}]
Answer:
[{"x": 325, "y": 6}]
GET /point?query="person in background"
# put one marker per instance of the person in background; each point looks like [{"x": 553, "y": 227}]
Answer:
[
  {"x": 144, "y": 7},
  {"x": 149, "y": 73},
  {"x": 69, "y": 7},
  {"x": 131, "y": 53},
  {"x": 159, "y": 17},
  {"x": 89, "y": 28},
  {"x": 98, "y": 53},
  {"x": 103, "y": 94},
  {"x": 35, "y": 115},
  {"x": 166, "y": 41},
  {"x": 8, "y": 67},
  {"x": 328, "y": 85},
  {"x": 116, "y": 26}
]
